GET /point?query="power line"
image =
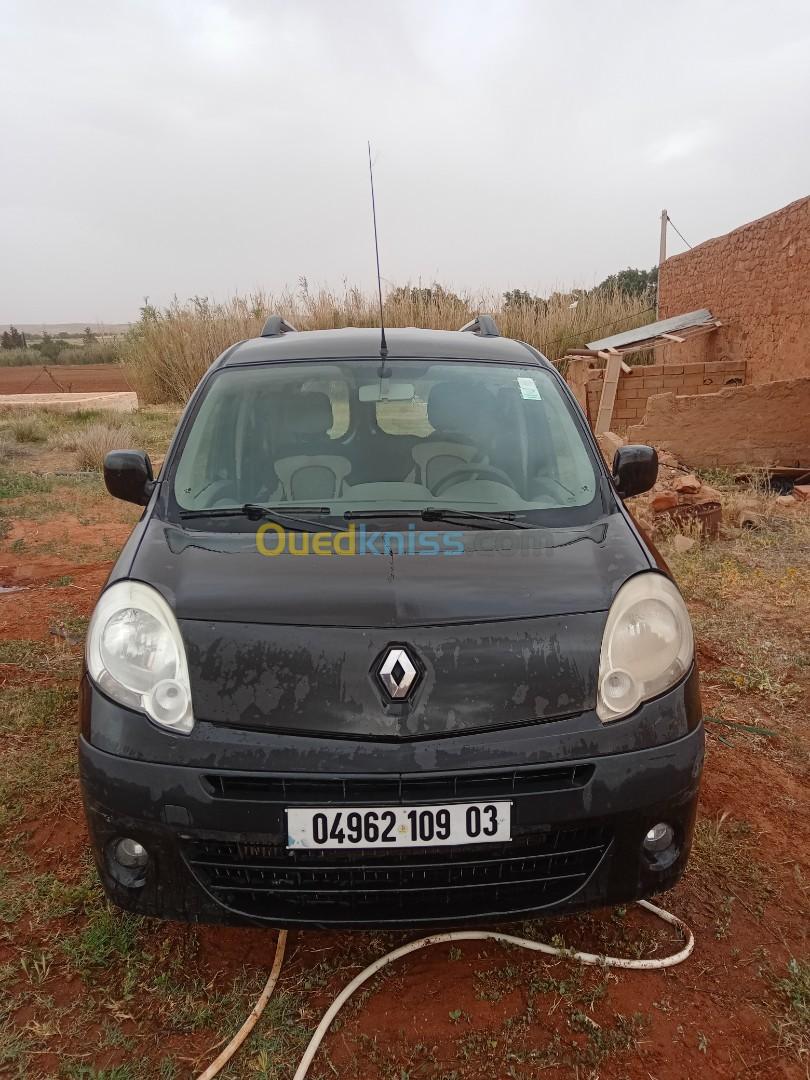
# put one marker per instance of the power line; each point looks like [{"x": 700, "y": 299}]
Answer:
[
  {"x": 678, "y": 231},
  {"x": 605, "y": 326},
  {"x": 616, "y": 322}
]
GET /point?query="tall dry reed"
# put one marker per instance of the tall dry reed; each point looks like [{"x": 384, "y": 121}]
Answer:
[{"x": 168, "y": 351}]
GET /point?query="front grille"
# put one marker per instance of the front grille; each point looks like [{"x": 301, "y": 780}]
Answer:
[
  {"x": 388, "y": 790},
  {"x": 532, "y": 871}
]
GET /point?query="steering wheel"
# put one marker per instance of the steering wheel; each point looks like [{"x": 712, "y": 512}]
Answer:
[{"x": 470, "y": 472}]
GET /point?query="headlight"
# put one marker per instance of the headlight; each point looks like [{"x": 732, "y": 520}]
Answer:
[
  {"x": 136, "y": 655},
  {"x": 647, "y": 645}
]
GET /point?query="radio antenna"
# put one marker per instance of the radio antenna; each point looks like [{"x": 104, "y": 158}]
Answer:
[{"x": 383, "y": 344}]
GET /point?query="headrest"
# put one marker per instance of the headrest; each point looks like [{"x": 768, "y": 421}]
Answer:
[
  {"x": 454, "y": 407},
  {"x": 309, "y": 413}
]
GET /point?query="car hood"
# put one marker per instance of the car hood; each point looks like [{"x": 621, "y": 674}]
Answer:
[
  {"x": 501, "y": 574},
  {"x": 509, "y": 632}
]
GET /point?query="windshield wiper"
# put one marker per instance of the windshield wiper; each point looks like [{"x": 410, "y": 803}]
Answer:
[
  {"x": 479, "y": 518},
  {"x": 279, "y": 514},
  {"x": 483, "y": 518}
]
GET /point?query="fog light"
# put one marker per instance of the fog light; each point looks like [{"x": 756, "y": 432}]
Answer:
[
  {"x": 130, "y": 853},
  {"x": 169, "y": 702},
  {"x": 659, "y": 838},
  {"x": 619, "y": 690}
]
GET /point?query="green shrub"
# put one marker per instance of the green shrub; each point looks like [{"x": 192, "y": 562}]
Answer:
[
  {"x": 59, "y": 353},
  {"x": 13, "y": 485}
]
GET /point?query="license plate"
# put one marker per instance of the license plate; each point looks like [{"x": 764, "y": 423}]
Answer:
[{"x": 399, "y": 826}]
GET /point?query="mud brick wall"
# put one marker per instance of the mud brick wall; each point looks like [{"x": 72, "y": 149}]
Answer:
[
  {"x": 645, "y": 381},
  {"x": 756, "y": 280},
  {"x": 763, "y": 425}
]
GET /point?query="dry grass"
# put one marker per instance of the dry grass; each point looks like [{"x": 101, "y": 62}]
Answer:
[
  {"x": 168, "y": 351},
  {"x": 24, "y": 427},
  {"x": 40, "y": 442},
  {"x": 93, "y": 441},
  {"x": 749, "y": 596}
]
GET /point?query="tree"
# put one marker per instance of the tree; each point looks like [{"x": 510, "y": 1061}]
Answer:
[
  {"x": 520, "y": 298},
  {"x": 632, "y": 281},
  {"x": 88, "y": 337},
  {"x": 12, "y": 339}
]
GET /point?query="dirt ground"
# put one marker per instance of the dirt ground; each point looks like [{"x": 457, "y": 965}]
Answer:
[
  {"x": 87, "y": 992},
  {"x": 64, "y": 378}
]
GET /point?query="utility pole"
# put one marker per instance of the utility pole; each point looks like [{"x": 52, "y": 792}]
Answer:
[
  {"x": 662, "y": 246},
  {"x": 662, "y": 252}
]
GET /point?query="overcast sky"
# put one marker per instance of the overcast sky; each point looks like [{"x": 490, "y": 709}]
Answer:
[{"x": 195, "y": 147}]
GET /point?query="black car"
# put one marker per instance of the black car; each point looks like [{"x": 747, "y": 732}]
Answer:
[{"x": 386, "y": 649}]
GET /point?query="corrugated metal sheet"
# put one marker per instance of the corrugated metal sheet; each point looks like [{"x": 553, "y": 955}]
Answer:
[{"x": 652, "y": 330}]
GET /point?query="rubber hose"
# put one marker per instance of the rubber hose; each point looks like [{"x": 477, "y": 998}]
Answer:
[{"x": 423, "y": 943}]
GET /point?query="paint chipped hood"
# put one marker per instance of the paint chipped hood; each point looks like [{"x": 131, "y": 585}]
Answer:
[{"x": 508, "y": 632}]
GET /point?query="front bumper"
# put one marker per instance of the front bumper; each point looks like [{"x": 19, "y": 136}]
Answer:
[{"x": 216, "y": 837}]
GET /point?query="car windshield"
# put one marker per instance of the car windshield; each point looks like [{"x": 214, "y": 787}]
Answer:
[{"x": 349, "y": 436}]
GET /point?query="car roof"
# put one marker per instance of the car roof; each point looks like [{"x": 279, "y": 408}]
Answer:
[{"x": 361, "y": 342}]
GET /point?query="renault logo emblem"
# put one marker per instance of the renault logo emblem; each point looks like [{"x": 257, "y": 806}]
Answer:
[{"x": 398, "y": 673}]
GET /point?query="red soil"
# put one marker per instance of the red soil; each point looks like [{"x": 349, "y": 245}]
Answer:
[{"x": 63, "y": 378}]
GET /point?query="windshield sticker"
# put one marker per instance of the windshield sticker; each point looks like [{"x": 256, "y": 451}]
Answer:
[{"x": 528, "y": 389}]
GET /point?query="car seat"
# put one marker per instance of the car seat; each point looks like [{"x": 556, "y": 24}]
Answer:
[
  {"x": 460, "y": 416},
  {"x": 307, "y": 468}
]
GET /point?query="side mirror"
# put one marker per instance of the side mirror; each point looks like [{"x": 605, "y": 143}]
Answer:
[
  {"x": 635, "y": 469},
  {"x": 128, "y": 475}
]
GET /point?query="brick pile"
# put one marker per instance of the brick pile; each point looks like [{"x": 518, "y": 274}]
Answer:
[{"x": 676, "y": 489}]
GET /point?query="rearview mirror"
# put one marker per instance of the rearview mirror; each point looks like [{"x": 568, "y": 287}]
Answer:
[
  {"x": 128, "y": 475},
  {"x": 386, "y": 390},
  {"x": 635, "y": 469}
]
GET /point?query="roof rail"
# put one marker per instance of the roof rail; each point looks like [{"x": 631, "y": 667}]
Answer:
[
  {"x": 275, "y": 326},
  {"x": 483, "y": 325}
]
